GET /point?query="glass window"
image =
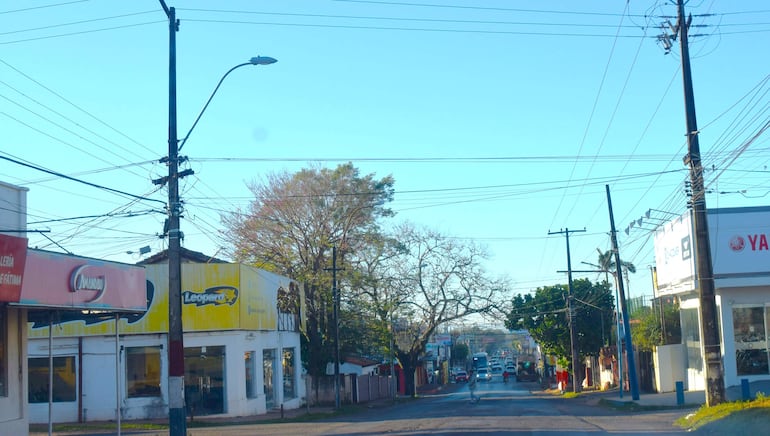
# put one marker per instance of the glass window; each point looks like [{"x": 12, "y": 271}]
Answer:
[
  {"x": 268, "y": 362},
  {"x": 251, "y": 368},
  {"x": 3, "y": 352},
  {"x": 204, "y": 380},
  {"x": 289, "y": 382},
  {"x": 143, "y": 372},
  {"x": 64, "y": 379},
  {"x": 750, "y": 340},
  {"x": 691, "y": 338}
]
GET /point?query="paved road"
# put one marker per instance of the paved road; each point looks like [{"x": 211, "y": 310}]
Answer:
[{"x": 504, "y": 409}]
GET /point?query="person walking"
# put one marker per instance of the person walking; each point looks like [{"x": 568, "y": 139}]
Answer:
[{"x": 472, "y": 388}]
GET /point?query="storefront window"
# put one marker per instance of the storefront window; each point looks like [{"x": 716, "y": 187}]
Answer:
[
  {"x": 251, "y": 368},
  {"x": 3, "y": 352},
  {"x": 204, "y": 380},
  {"x": 268, "y": 364},
  {"x": 691, "y": 338},
  {"x": 289, "y": 383},
  {"x": 64, "y": 379},
  {"x": 750, "y": 332},
  {"x": 143, "y": 372}
]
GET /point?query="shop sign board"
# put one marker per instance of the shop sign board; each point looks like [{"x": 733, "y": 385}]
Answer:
[
  {"x": 215, "y": 297},
  {"x": 674, "y": 261},
  {"x": 13, "y": 252},
  {"x": 740, "y": 241},
  {"x": 73, "y": 282}
]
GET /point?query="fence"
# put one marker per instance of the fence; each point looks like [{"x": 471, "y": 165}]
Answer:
[{"x": 354, "y": 389}]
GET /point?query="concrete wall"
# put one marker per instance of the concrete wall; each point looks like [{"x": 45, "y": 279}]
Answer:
[{"x": 13, "y": 407}]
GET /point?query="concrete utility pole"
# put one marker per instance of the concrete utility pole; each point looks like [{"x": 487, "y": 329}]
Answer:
[
  {"x": 571, "y": 314},
  {"x": 176, "y": 401},
  {"x": 711, "y": 348},
  {"x": 632, "y": 380}
]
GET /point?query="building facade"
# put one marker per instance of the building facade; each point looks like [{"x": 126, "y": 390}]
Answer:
[
  {"x": 242, "y": 356},
  {"x": 740, "y": 252}
]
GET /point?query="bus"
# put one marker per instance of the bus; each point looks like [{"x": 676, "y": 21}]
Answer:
[{"x": 480, "y": 360}]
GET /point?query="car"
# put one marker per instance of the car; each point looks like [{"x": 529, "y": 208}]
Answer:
[
  {"x": 483, "y": 375},
  {"x": 461, "y": 376},
  {"x": 497, "y": 369},
  {"x": 510, "y": 369}
]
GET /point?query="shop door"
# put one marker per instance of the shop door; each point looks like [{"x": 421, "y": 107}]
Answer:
[
  {"x": 268, "y": 372},
  {"x": 204, "y": 380}
]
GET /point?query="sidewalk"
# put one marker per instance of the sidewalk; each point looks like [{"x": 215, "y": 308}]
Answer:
[{"x": 669, "y": 399}]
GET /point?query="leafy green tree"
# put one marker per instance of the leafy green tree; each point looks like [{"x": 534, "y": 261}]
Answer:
[
  {"x": 647, "y": 327},
  {"x": 544, "y": 315},
  {"x": 460, "y": 353},
  {"x": 646, "y": 331},
  {"x": 291, "y": 226}
]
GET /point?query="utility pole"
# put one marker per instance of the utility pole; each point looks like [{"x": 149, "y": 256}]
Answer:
[
  {"x": 336, "y": 303},
  {"x": 571, "y": 313},
  {"x": 176, "y": 400},
  {"x": 711, "y": 348},
  {"x": 632, "y": 380}
]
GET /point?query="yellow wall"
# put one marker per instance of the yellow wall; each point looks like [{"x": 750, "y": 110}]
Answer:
[{"x": 215, "y": 297}]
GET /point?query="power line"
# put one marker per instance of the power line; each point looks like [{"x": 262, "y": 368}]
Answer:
[{"x": 64, "y": 176}]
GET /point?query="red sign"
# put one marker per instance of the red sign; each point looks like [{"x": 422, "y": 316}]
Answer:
[
  {"x": 13, "y": 253},
  {"x": 60, "y": 280}
]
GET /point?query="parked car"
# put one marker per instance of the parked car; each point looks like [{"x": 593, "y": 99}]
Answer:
[
  {"x": 483, "y": 375},
  {"x": 461, "y": 376}
]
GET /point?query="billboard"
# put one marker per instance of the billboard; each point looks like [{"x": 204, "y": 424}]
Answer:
[
  {"x": 674, "y": 261},
  {"x": 73, "y": 282}
]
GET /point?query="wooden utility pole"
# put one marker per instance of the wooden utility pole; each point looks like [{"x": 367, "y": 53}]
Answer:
[
  {"x": 571, "y": 314},
  {"x": 711, "y": 348}
]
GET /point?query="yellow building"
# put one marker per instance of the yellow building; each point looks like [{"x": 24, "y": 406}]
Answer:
[{"x": 242, "y": 356}]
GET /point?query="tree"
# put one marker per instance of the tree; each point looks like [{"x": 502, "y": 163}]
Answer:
[
  {"x": 647, "y": 327},
  {"x": 460, "y": 353},
  {"x": 607, "y": 265},
  {"x": 291, "y": 226},
  {"x": 422, "y": 280},
  {"x": 544, "y": 315}
]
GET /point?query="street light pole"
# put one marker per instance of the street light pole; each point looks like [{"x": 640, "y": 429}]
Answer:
[
  {"x": 176, "y": 401},
  {"x": 176, "y": 397}
]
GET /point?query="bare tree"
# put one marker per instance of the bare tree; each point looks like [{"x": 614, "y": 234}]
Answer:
[
  {"x": 291, "y": 227},
  {"x": 426, "y": 281}
]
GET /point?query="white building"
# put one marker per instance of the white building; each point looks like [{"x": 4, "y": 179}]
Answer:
[
  {"x": 242, "y": 356},
  {"x": 740, "y": 252}
]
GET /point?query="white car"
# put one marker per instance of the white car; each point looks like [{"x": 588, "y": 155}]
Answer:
[{"x": 483, "y": 375}]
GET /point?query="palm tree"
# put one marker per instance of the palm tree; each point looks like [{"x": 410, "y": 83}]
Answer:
[{"x": 607, "y": 264}]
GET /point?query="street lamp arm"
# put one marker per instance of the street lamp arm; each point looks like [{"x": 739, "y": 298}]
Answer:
[{"x": 258, "y": 60}]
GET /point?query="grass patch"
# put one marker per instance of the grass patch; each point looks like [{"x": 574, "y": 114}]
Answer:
[
  {"x": 571, "y": 394},
  {"x": 110, "y": 426},
  {"x": 706, "y": 415},
  {"x": 632, "y": 406}
]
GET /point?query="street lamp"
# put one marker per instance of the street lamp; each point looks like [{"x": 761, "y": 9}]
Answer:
[
  {"x": 257, "y": 60},
  {"x": 176, "y": 400}
]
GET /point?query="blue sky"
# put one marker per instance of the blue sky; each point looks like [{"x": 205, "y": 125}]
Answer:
[{"x": 499, "y": 120}]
